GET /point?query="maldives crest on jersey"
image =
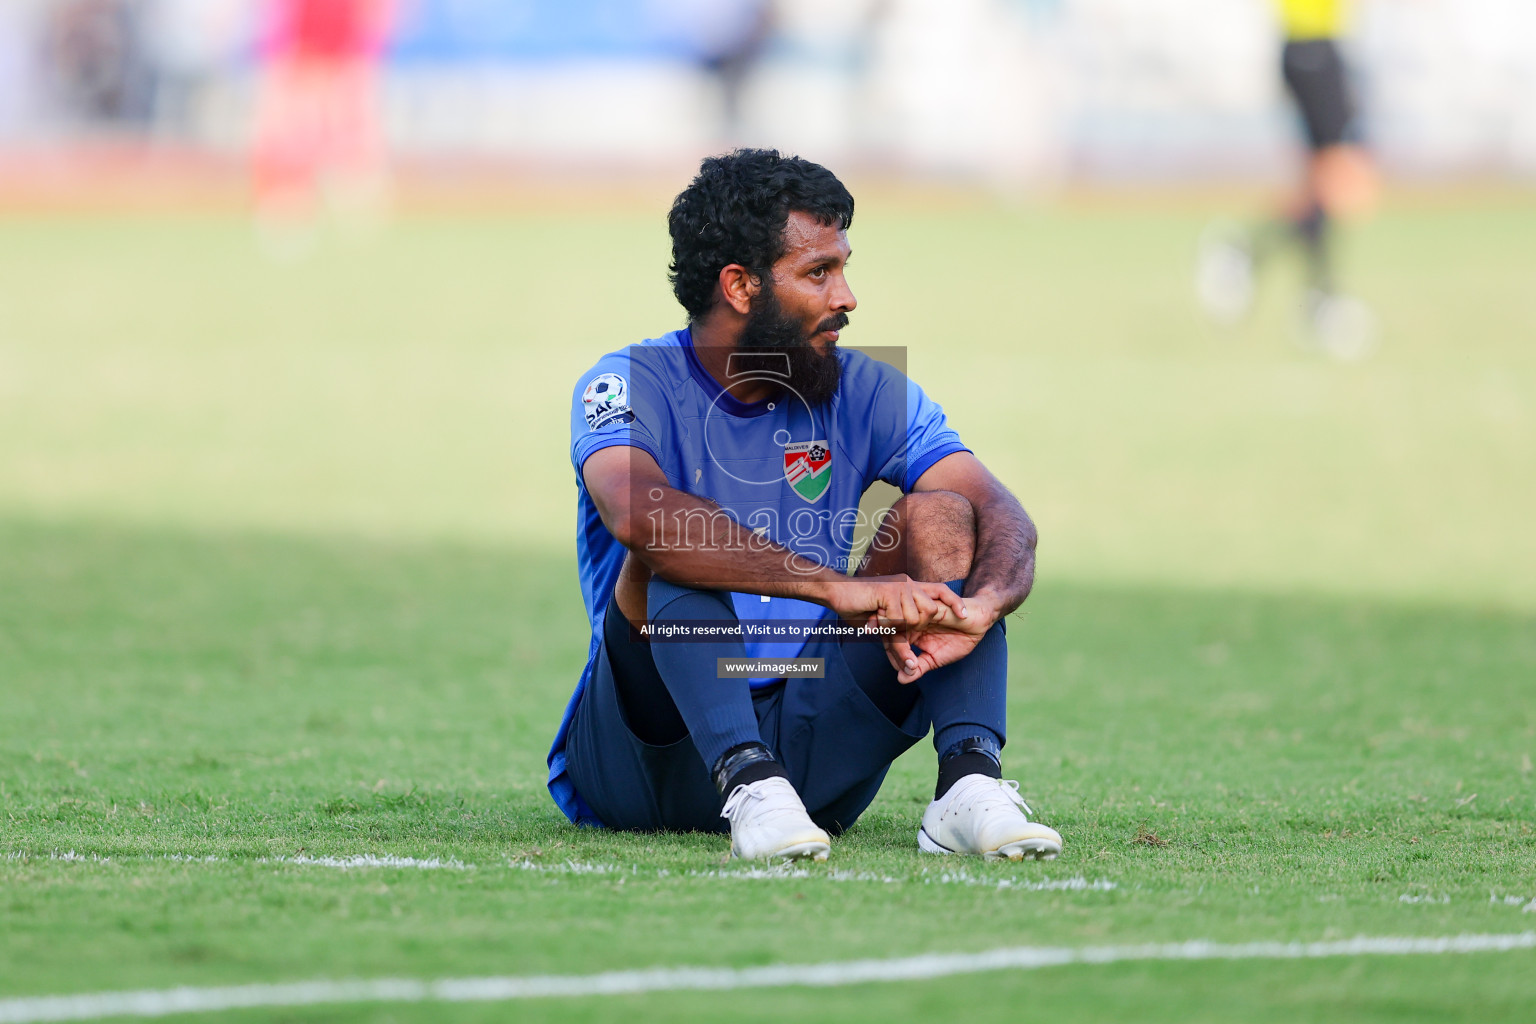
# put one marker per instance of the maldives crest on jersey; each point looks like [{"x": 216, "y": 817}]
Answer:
[{"x": 808, "y": 468}]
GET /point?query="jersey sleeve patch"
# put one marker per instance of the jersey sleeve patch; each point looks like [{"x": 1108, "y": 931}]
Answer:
[{"x": 606, "y": 400}]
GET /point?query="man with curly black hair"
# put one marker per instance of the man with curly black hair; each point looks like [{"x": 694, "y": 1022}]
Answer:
[{"x": 743, "y": 669}]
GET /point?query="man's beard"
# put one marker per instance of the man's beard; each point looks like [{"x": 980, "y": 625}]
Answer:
[{"x": 812, "y": 375}]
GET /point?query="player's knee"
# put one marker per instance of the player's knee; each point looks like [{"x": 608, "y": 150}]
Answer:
[
  {"x": 667, "y": 600},
  {"x": 939, "y": 530},
  {"x": 1345, "y": 180}
]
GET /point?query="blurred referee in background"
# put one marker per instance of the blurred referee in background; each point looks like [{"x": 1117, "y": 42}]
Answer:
[{"x": 1339, "y": 182}]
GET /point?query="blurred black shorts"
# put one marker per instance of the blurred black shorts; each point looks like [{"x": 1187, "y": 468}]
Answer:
[{"x": 1314, "y": 72}]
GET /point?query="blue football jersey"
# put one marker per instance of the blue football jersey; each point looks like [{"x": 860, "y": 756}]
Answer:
[{"x": 789, "y": 472}]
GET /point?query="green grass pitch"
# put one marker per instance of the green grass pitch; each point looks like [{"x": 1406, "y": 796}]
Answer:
[{"x": 286, "y": 572}]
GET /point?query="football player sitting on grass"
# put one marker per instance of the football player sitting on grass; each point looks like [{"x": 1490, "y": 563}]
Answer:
[{"x": 742, "y": 673}]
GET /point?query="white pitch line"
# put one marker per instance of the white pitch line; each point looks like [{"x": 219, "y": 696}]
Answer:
[
  {"x": 166, "y": 1002},
  {"x": 783, "y": 872},
  {"x": 346, "y": 863},
  {"x": 371, "y": 861}
]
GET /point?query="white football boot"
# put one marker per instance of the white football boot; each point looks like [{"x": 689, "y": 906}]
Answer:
[
  {"x": 1224, "y": 274},
  {"x": 768, "y": 822},
  {"x": 986, "y": 816},
  {"x": 1340, "y": 326}
]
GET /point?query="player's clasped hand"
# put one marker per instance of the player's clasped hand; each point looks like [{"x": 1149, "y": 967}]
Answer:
[
  {"x": 914, "y": 653},
  {"x": 916, "y": 608}
]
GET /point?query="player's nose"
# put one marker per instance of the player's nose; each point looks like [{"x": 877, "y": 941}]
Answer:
[{"x": 843, "y": 300}]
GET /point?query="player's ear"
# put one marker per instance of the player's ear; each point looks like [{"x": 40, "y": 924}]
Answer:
[{"x": 739, "y": 285}]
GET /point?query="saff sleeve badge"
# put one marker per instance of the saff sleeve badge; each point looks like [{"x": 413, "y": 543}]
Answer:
[
  {"x": 808, "y": 468},
  {"x": 606, "y": 401}
]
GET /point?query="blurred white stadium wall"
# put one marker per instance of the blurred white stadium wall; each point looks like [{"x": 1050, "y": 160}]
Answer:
[
  {"x": 196, "y": 48},
  {"x": 19, "y": 71},
  {"x": 1451, "y": 84},
  {"x": 1018, "y": 91}
]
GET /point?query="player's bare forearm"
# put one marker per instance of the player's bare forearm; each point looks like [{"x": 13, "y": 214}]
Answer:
[
  {"x": 691, "y": 541},
  {"x": 687, "y": 539},
  {"x": 1003, "y": 566},
  {"x": 1003, "y": 571}
]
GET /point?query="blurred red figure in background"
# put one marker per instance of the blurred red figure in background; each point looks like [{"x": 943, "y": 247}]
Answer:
[{"x": 318, "y": 117}]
